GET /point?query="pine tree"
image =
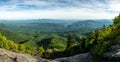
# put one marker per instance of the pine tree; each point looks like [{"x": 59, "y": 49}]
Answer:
[
  {"x": 70, "y": 42},
  {"x": 117, "y": 19}
]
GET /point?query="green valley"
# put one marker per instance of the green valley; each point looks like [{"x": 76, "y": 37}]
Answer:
[{"x": 47, "y": 37}]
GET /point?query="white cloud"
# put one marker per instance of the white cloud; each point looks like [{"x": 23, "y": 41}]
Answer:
[
  {"x": 36, "y": 2},
  {"x": 56, "y": 14},
  {"x": 114, "y": 5},
  {"x": 93, "y": 9}
]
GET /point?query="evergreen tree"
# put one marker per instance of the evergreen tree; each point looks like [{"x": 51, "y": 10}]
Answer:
[
  {"x": 104, "y": 26},
  {"x": 70, "y": 42},
  {"x": 117, "y": 19}
]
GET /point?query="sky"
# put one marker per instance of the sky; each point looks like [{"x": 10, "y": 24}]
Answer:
[{"x": 59, "y": 9}]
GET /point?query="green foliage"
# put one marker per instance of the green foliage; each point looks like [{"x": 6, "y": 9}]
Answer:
[
  {"x": 118, "y": 40},
  {"x": 10, "y": 45},
  {"x": 52, "y": 37},
  {"x": 117, "y": 19},
  {"x": 103, "y": 38},
  {"x": 40, "y": 50},
  {"x": 70, "y": 42},
  {"x": 99, "y": 42},
  {"x": 22, "y": 48},
  {"x": 47, "y": 53},
  {"x": 16, "y": 37},
  {"x": 73, "y": 50},
  {"x": 99, "y": 50},
  {"x": 71, "y": 46},
  {"x": 55, "y": 43}
]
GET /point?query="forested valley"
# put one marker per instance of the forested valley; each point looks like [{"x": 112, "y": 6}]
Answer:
[{"x": 51, "y": 39}]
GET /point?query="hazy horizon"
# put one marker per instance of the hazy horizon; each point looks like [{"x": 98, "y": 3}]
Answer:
[{"x": 55, "y": 19}]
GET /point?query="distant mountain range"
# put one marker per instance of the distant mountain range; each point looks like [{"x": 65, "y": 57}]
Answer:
[
  {"x": 49, "y": 25},
  {"x": 20, "y": 31}
]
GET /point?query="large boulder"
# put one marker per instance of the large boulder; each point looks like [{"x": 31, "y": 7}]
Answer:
[{"x": 8, "y": 56}]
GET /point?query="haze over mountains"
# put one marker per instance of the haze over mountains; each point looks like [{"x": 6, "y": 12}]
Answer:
[
  {"x": 33, "y": 33},
  {"x": 56, "y": 25}
]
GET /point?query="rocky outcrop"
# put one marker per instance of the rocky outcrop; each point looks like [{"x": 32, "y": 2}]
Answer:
[
  {"x": 8, "y": 56},
  {"x": 77, "y": 58},
  {"x": 80, "y": 58},
  {"x": 113, "y": 53}
]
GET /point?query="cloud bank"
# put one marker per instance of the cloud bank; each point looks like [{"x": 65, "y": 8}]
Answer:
[{"x": 59, "y": 9}]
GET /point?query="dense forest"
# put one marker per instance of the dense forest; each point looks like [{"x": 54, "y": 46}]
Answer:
[{"x": 59, "y": 39}]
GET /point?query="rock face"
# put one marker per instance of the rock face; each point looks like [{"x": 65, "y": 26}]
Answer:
[
  {"x": 79, "y": 58},
  {"x": 76, "y": 58},
  {"x": 113, "y": 53},
  {"x": 8, "y": 56}
]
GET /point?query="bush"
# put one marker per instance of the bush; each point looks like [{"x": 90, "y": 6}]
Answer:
[{"x": 99, "y": 50}]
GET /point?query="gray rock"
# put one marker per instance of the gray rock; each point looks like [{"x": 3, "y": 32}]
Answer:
[
  {"x": 114, "y": 52},
  {"x": 80, "y": 58},
  {"x": 8, "y": 56},
  {"x": 76, "y": 58}
]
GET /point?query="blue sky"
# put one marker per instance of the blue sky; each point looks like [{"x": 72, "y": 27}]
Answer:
[{"x": 59, "y": 9}]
